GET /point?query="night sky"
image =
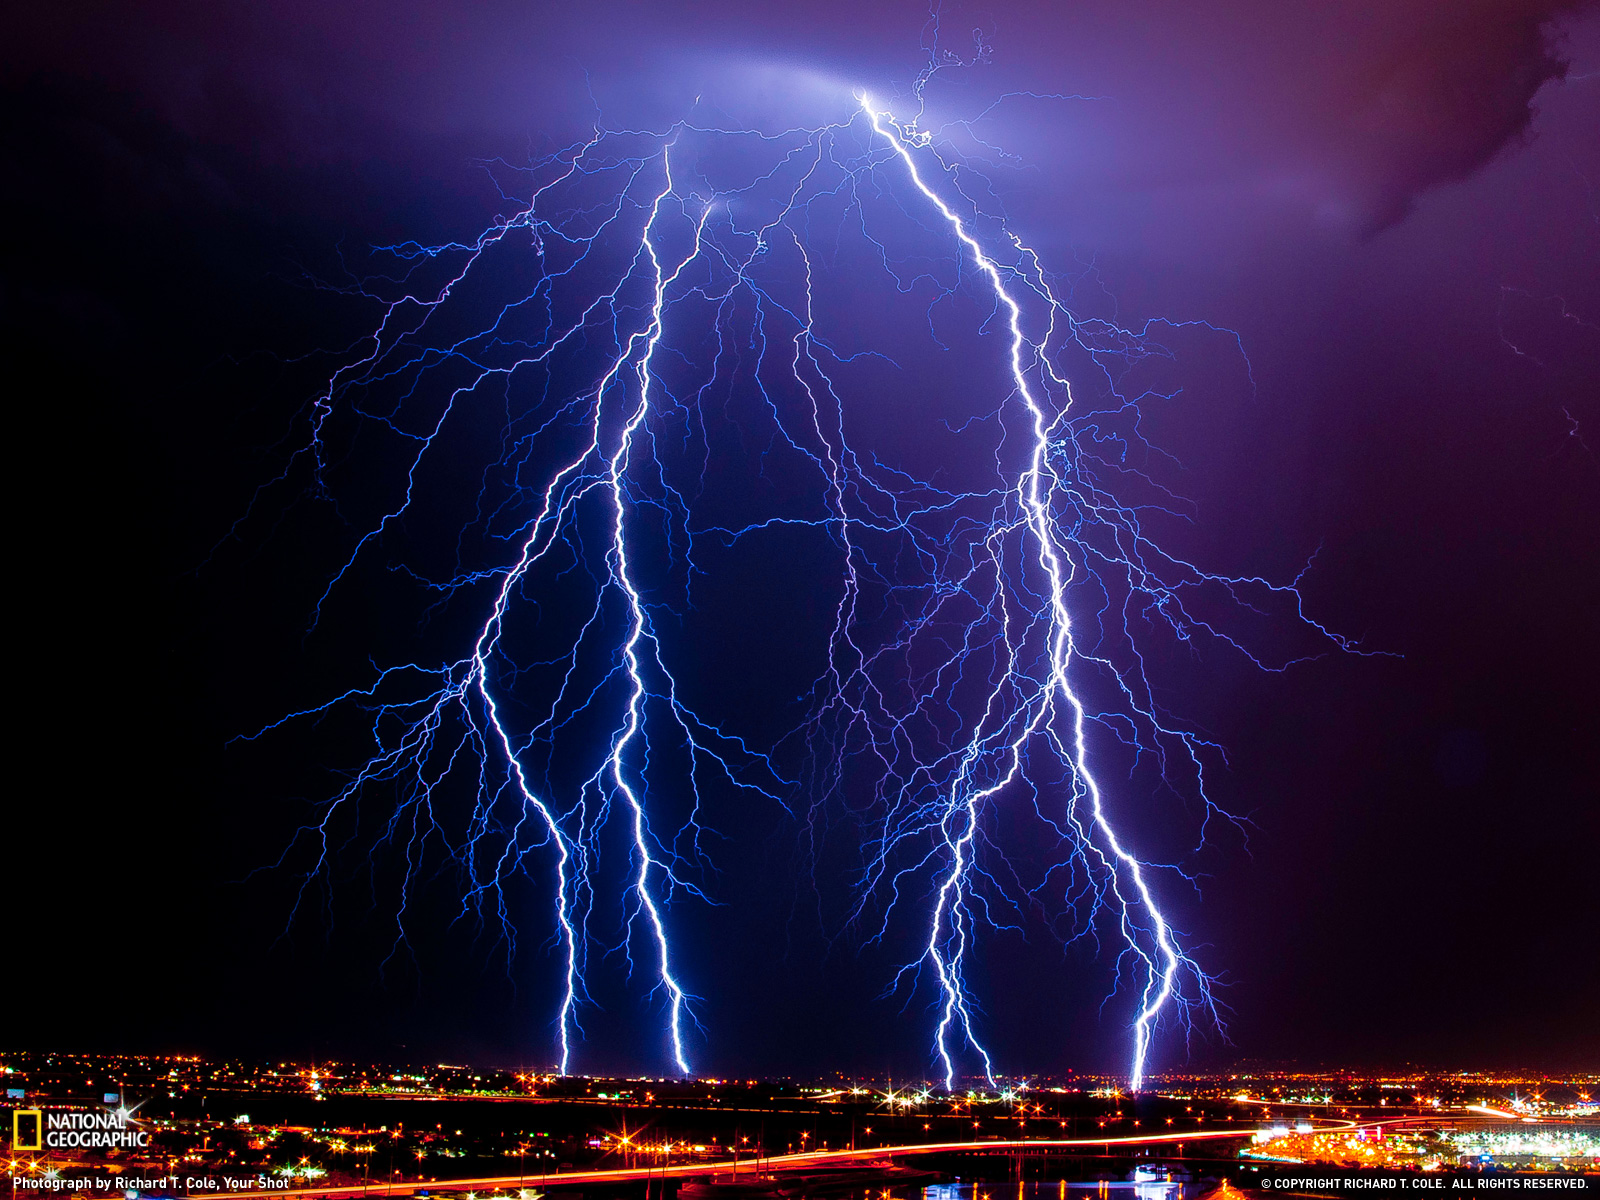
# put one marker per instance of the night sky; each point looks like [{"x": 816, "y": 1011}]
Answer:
[{"x": 1395, "y": 206}]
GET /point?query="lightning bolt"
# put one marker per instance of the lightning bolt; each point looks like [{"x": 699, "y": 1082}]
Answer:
[
  {"x": 947, "y": 939},
  {"x": 658, "y": 317},
  {"x": 638, "y": 632}
]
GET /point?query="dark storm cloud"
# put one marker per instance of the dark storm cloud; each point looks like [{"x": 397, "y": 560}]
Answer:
[
  {"x": 1345, "y": 111},
  {"x": 1437, "y": 93}
]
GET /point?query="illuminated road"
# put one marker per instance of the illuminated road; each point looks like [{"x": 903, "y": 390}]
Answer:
[{"x": 777, "y": 1162}]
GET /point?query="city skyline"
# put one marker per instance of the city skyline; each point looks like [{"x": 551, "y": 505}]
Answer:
[{"x": 341, "y": 1129}]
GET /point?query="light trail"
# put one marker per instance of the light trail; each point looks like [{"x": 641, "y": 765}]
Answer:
[{"x": 769, "y": 1163}]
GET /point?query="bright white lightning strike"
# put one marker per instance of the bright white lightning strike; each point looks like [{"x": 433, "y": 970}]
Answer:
[
  {"x": 1034, "y": 488},
  {"x": 636, "y": 630},
  {"x": 664, "y": 311}
]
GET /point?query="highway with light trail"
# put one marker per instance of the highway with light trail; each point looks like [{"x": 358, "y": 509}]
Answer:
[{"x": 748, "y": 1166}]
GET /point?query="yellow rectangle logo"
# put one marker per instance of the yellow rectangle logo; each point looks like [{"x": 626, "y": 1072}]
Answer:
[{"x": 27, "y": 1129}]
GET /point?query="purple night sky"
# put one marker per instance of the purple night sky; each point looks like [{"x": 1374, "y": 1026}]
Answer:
[{"x": 1396, "y": 207}]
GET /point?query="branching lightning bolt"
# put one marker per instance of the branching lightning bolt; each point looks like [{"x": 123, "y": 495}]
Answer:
[
  {"x": 684, "y": 296},
  {"x": 1035, "y": 488}
]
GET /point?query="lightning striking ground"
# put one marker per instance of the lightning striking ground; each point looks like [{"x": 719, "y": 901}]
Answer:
[
  {"x": 1035, "y": 488},
  {"x": 657, "y": 342}
]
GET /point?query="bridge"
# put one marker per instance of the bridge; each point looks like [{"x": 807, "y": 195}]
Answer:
[{"x": 813, "y": 1160}]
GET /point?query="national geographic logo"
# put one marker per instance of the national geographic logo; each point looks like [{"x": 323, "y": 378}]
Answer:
[
  {"x": 27, "y": 1129},
  {"x": 35, "y": 1129}
]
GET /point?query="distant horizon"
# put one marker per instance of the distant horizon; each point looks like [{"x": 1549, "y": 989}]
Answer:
[{"x": 1235, "y": 1070}]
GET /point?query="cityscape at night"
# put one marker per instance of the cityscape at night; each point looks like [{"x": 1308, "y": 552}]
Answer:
[
  {"x": 334, "y": 1126},
  {"x": 696, "y": 600}
]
